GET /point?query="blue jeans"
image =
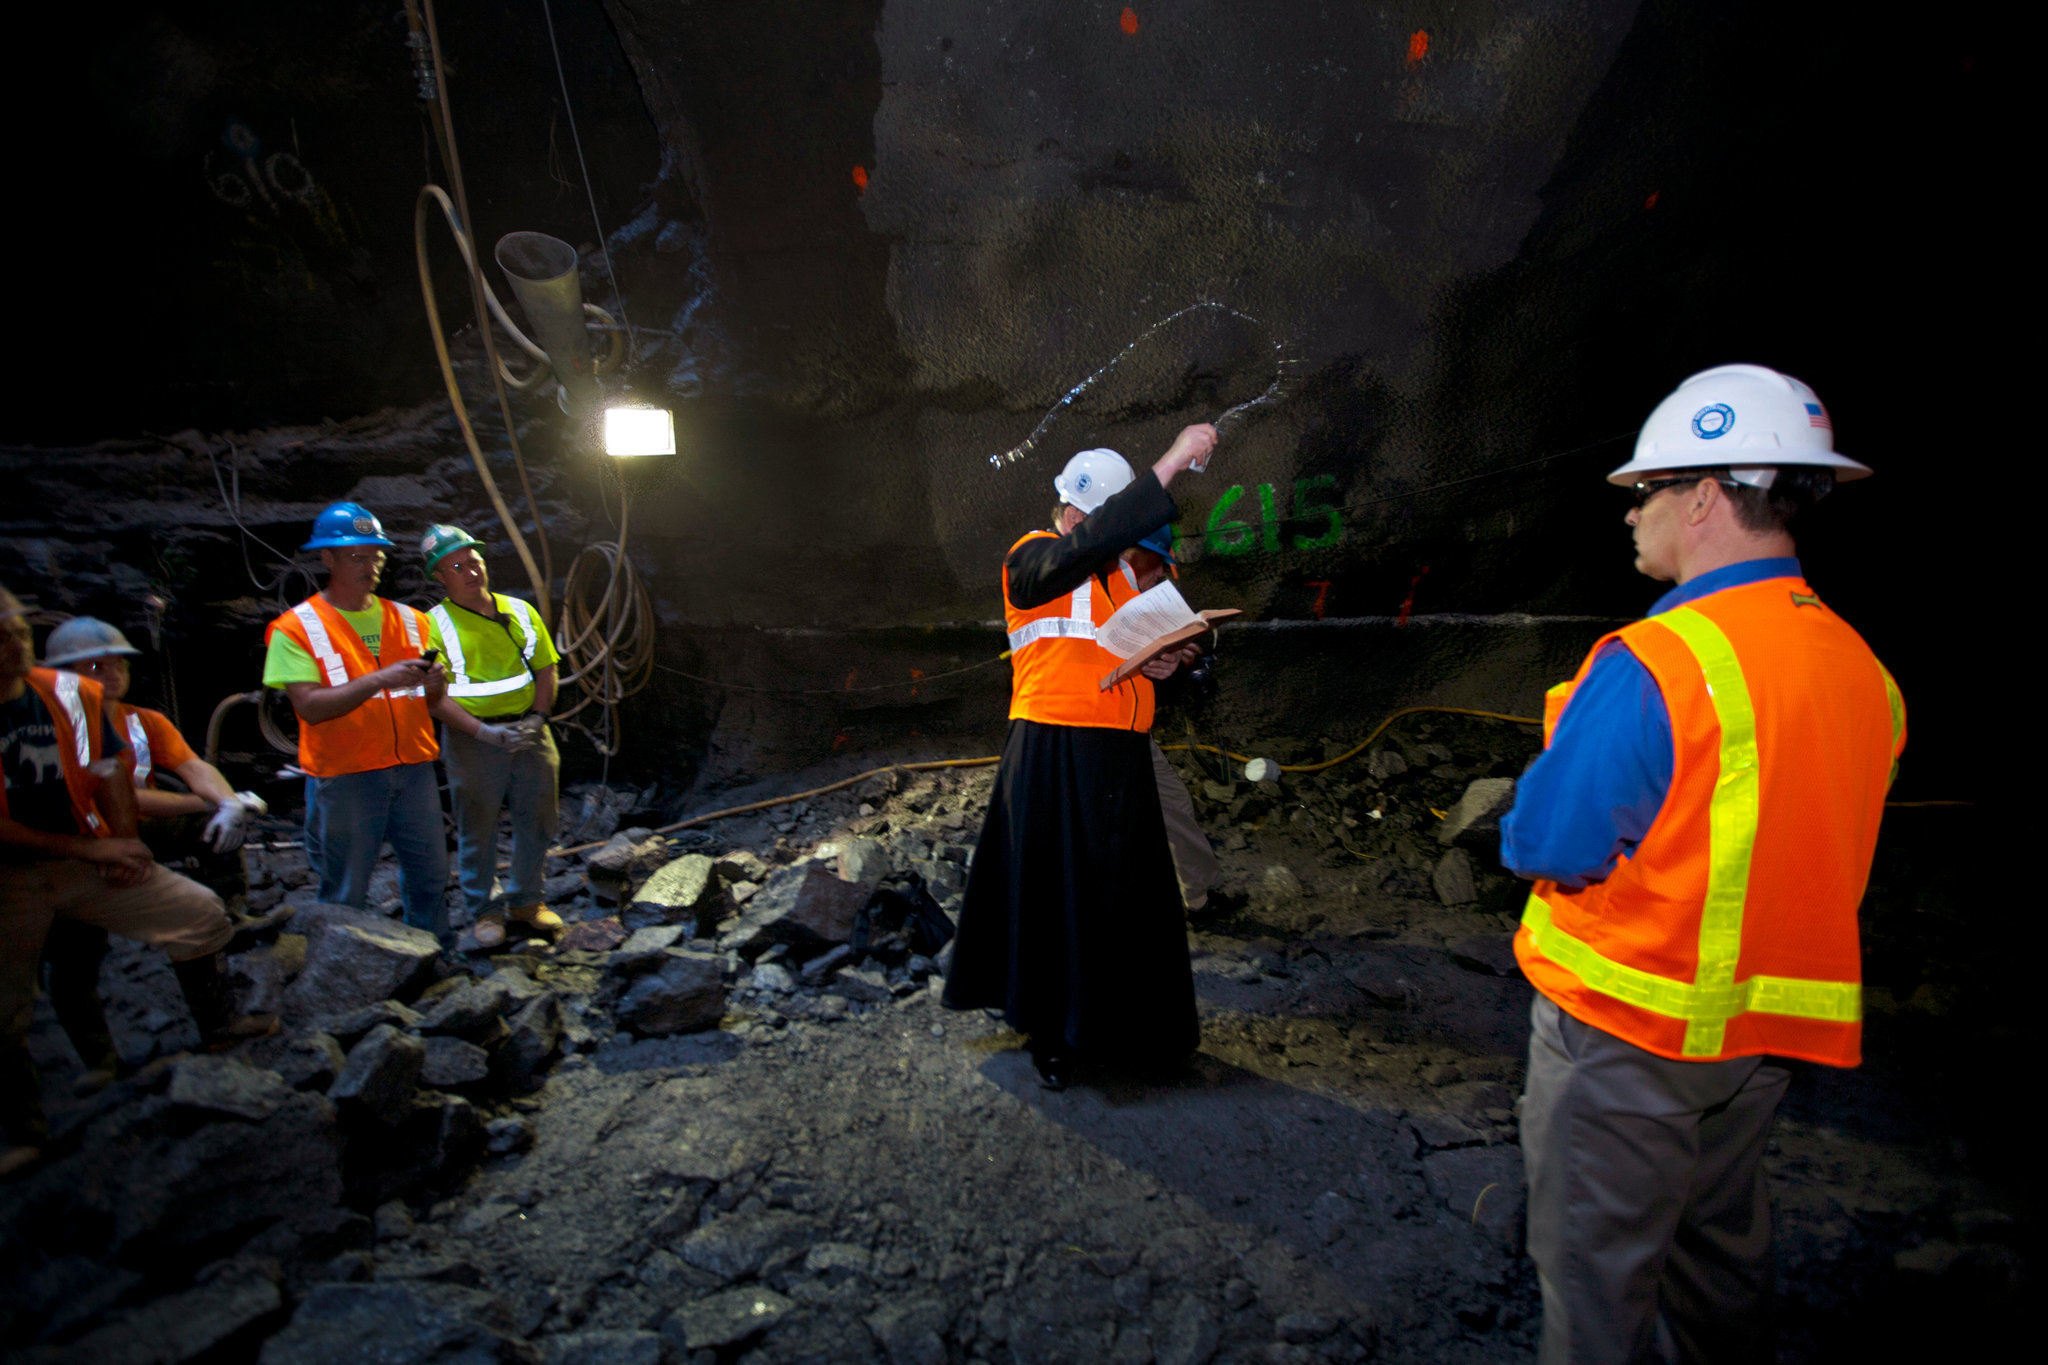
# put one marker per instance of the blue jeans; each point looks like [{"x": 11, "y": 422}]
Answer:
[
  {"x": 482, "y": 781},
  {"x": 348, "y": 820}
]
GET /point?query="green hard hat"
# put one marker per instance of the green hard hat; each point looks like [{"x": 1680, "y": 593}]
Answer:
[{"x": 440, "y": 541}]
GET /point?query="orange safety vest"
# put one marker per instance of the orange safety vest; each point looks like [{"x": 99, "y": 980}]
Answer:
[
  {"x": 1055, "y": 664},
  {"x": 392, "y": 727},
  {"x": 74, "y": 704},
  {"x": 1731, "y": 930}
]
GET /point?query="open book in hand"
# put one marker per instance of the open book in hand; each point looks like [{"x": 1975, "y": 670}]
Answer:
[{"x": 1148, "y": 625}]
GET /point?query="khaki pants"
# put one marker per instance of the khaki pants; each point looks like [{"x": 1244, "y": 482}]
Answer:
[
  {"x": 172, "y": 912},
  {"x": 1648, "y": 1218},
  {"x": 1194, "y": 862}
]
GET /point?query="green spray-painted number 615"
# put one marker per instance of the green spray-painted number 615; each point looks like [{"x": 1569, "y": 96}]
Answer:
[{"x": 1228, "y": 537}]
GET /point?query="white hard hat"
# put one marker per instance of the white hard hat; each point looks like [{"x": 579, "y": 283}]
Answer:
[
  {"x": 1092, "y": 478},
  {"x": 1747, "y": 418}
]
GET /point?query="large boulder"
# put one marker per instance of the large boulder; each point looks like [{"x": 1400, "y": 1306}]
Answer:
[
  {"x": 156, "y": 1188},
  {"x": 678, "y": 893},
  {"x": 407, "y": 1323},
  {"x": 309, "y": 1061},
  {"x": 355, "y": 958},
  {"x": 452, "y": 1062},
  {"x": 1453, "y": 878},
  {"x": 623, "y": 863},
  {"x": 683, "y": 993},
  {"x": 864, "y": 862},
  {"x": 536, "y": 1031},
  {"x": 382, "y": 1072},
  {"x": 1479, "y": 810},
  {"x": 469, "y": 1008},
  {"x": 807, "y": 906},
  {"x": 216, "y": 1087},
  {"x": 191, "y": 1325}
]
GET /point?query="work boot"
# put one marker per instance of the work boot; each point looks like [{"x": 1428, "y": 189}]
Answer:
[
  {"x": 205, "y": 985},
  {"x": 538, "y": 918},
  {"x": 489, "y": 931},
  {"x": 1055, "y": 1066}
]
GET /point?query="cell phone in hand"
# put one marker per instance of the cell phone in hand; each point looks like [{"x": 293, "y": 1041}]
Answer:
[{"x": 431, "y": 657}]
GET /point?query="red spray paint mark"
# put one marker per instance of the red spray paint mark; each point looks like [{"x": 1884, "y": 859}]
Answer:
[
  {"x": 1129, "y": 20},
  {"x": 1322, "y": 595},
  {"x": 1418, "y": 47},
  {"x": 1408, "y": 602},
  {"x": 860, "y": 178},
  {"x": 841, "y": 740},
  {"x": 1651, "y": 202},
  {"x": 851, "y": 674}
]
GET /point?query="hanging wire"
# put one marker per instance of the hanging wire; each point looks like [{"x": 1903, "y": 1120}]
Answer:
[{"x": 604, "y": 250}]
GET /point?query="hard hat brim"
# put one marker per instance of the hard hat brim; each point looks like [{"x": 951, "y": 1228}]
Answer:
[
  {"x": 81, "y": 655},
  {"x": 340, "y": 542},
  {"x": 1845, "y": 468},
  {"x": 435, "y": 562}
]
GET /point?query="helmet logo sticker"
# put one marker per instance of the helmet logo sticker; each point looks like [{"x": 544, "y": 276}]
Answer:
[
  {"x": 1715, "y": 419},
  {"x": 366, "y": 525},
  {"x": 1081, "y": 484}
]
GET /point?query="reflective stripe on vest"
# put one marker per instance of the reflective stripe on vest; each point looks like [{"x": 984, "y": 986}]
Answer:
[
  {"x": 1713, "y": 997},
  {"x": 74, "y": 712},
  {"x": 64, "y": 686},
  {"x": 1077, "y": 624},
  {"x": 138, "y": 740},
  {"x": 414, "y": 636},
  {"x": 323, "y": 647},
  {"x": 459, "y": 684}
]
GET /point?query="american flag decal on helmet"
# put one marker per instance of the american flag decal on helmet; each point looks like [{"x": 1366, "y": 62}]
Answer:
[{"x": 1817, "y": 416}]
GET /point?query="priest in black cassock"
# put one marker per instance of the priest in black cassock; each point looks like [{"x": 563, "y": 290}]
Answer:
[{"x": 1072, "y": 922}]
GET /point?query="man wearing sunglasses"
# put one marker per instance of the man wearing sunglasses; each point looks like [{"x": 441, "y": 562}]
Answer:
[{"x": 1699, "y": 829}]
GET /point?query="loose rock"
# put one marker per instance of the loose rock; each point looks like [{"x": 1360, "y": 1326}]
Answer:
[
  {"x": 684, "y": 993},
  {"x": 227, "y": 1086},
  {"x": 381, "y": 1073}
]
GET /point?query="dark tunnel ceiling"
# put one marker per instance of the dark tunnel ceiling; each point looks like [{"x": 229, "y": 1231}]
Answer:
[{"x": 1507, "y": 245}]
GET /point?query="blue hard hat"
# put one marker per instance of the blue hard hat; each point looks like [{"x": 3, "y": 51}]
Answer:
[
  {"x": 346, "y": 523},
  {"x": 1160, "y": 543}
]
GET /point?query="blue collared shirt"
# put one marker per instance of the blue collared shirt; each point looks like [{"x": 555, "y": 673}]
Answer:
[{"x": 1591, "y": 796}]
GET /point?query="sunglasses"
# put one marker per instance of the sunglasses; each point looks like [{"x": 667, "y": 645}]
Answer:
[{"x": 1646, "y": 489}]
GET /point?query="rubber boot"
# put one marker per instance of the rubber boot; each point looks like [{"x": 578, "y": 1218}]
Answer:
[
  {"x": 205, "y": 985},
  {"x": 74, "y": 952},
  {"x": 27, "y": 1128}
]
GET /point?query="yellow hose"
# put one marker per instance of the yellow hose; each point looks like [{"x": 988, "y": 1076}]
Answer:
[{"x": 1363, "y": 744}]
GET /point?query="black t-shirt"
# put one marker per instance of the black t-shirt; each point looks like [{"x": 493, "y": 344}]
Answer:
[{"x": 32, "y": 766}]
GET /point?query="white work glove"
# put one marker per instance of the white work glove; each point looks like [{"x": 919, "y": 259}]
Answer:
[
  {"x": 511, "y": 738},
  {"x": 230, "y": 823}
]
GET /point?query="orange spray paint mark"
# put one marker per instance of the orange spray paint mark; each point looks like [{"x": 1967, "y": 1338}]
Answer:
[
  {"x": 1418, "y": 47},
  {"x": 1322, "y": 588},
  {"x": 915, "y": 674},
  {"x": 860, "y": 178},
  {"x": 851, "y": 674},
  {"x": 1128, "y": 22},
  {"x": 1651, "y": 202},
  {"x": 1408, "y": 602}
]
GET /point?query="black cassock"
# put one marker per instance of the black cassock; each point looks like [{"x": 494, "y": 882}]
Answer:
[{"x": 1072, "y": 922}]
